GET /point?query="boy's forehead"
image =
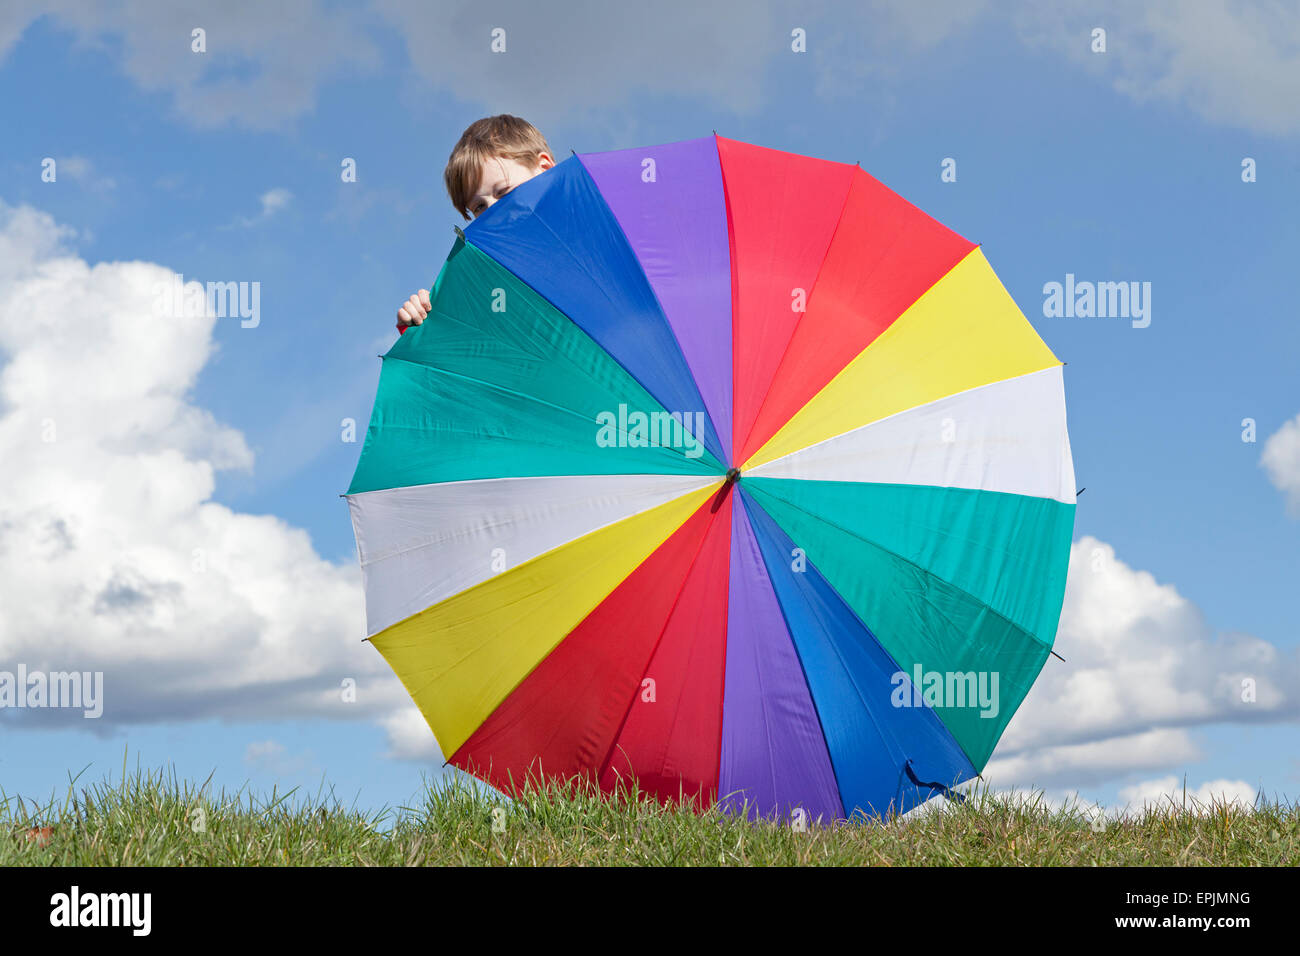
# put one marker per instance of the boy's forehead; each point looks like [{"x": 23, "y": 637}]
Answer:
[
  {"x": 494, "y": 167},
  {"x": 491, "y": 172}
]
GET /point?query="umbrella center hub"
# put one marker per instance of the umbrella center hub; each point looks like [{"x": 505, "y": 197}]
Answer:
[{"x": 733, "y": 474}]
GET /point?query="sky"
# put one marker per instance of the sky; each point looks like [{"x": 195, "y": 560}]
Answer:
[{"x": 170, "y": 510}]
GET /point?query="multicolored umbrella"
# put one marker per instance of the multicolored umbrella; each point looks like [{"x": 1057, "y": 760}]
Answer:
[{"x": 723, "y": 468}]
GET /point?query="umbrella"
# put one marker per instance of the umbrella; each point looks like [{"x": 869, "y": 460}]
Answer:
[{"x": 722, "y": 468}]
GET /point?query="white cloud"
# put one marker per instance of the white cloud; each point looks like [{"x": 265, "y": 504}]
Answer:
[
  {"x": 260, "y": 752},
  {"x": 1165, "y": 793},
  {"x": 1094, "y": 761},
  {"x": 1022, "y": 800},
  {"x": 15, "y": 16},
  {"x": 81, "y": 170},
  {"x": 259, "y": 749},
  {"x": 1142, "y": 668},
  {"x": 862, "y": 48},
  {"x": 263, "y": 63},
  {"x": 564, "y": 61},
  {"x": 78, "y": 167},
  {"x": 1237, "y": 64},
  {"x": 271, "y": 757},
  {"x": 1234, "y": 64},
  {"x": 1169, "y": 793},
  {"x": 113, "y": 555},
  {"x": 1281, "y": 460},
  {"x": 271, "y": 201},
  {"x": 409, "y": 736}
]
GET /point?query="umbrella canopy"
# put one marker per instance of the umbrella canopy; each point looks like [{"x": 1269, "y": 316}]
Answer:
[{"x": 723, "y": 468}]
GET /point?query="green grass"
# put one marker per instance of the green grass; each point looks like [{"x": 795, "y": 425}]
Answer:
[{"x": 151, "y": 819}]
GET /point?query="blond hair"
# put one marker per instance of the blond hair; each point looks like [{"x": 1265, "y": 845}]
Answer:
[{"x": 502, "y": 136}]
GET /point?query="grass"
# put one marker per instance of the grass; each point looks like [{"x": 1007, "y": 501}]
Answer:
[{"x": 150, "y": 819}]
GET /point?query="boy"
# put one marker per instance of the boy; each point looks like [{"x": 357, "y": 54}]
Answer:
[{"x": 492, "y": 157}]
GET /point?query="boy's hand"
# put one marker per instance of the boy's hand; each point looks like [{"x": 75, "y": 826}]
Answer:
[{"x": 413, "y": 311}]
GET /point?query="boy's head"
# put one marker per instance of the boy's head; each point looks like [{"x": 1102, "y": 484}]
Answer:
[{"x": 492, "y": 157}]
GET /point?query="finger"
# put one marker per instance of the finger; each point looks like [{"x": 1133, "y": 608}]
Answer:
[{"x": 424, "y": 300}]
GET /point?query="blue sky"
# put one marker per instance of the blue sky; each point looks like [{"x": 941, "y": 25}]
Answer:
[{"x": 1123, "y": 165}]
